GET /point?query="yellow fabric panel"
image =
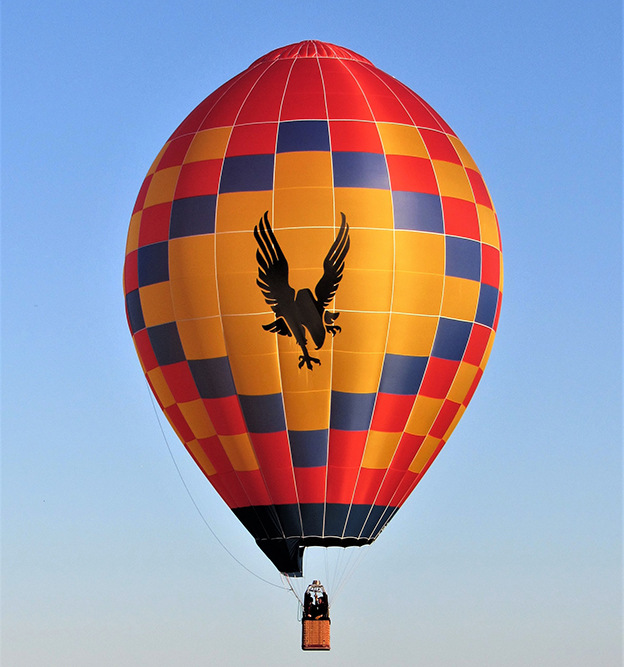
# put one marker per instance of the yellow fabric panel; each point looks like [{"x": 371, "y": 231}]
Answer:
[
  {"x": 380, "y": 448},
  {"x": 425, "y": 452},
  {"x": 241, "y": 211},
  {"x": 303, "y": 207},
  {"x": 419, "y": 252},
  {"x": 488, "y": 226},
  {"x": 302, "y": 379},
  {"x": 306, "y": 248},
  {"x": 462, "y": 382},
  {"x": 239, "y": 451},
  {"x": 365, "y": 207},
  {"x": 362, "y": 332},
  {"x": 303, "y": 170},
  {"x": 502, "y": 273},
  {"x": 488, "y": 350},
  {"x": 237, "y": 272},
  {"x": 133, "y": 232},
  {"x": 365, "y": 290},
  {"x": 452, "y": 180},
  {"x": 162, "y": 186},
  {"x": 453, "y": 424},
  {"x": 412, "y": 335},
  {"x": 244, "y": 334},
  {"x": 423, "y": 415},
  {"x": 200, "y": 456},
  {"x": 464, "y": 155},
  {"x": 236, "y": 253},
  {"x": 208, "y": 145},
  {"x": 356, "y": 372},
  {"x": 161, "y": 388},
  {"x": 202, "y": 338},
  {"x": 255, "y": 374},
  {"x": 156, "y": 162},
  {"x": 371, "y": 249},
  {"x": 307, "y": 411},
  {"x": 402, "y": 140},
  {"x": 191, "y": 272},
  {"x": 156, "y": 304},
  {"x": 417, "y": 293},
  {"x": 460, "y": 298},
  {"x": 197, "y": 418},
  {"x": 239, "y": 294}
]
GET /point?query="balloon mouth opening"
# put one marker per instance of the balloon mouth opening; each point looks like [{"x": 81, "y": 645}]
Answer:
[{"x": 287, "y": 553}]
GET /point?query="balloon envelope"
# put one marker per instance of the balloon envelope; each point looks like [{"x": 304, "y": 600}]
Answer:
[{"x": 313, "y": 370}]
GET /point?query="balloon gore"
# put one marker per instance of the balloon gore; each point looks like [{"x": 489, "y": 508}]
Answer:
[{"x": 313, "y": 281}]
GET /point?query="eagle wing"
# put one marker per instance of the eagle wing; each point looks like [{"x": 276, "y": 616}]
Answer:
[
  {"x": 333, "y": 266},
  {"x": 273, "y": 269}
]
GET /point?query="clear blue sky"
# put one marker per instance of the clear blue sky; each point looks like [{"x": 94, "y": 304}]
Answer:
[{"x": 508, "y": 553}]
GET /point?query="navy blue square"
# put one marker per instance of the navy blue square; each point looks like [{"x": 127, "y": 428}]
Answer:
[
  {"x": 263, "y": 414},
  {"x": 402, "y": 374},
  {"x": 488, "y": 301},
  {"x": 451, "y": 339},
  {"x": 247, "y": 173},
  {"x": 308, "y": 448},
  {"x": 357, "y": 517},
  {"x": 372, "y": 522},
  {"x": 360, "y": 170},
  {"x": 192, "y": 216},
  {"x": 463, "y": 258},
  {"x": 213, "y": 377},
  {"x": 417, "y": 211},
  {"x": 383, "y": 521},
  {"x": 312, "y": 518},
  {"x": 351, "y": 412},
  {"x": 289, "y": 519},
  {"x": 335, "y": 519},
  {"x": 135, "y": 312},
  {"x": 166, "y": 343},
  {"x": 153, "y": 263},
  {"x": 303, "y": 135}
]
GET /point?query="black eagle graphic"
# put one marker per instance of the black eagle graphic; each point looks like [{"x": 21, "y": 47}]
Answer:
[{"x": 295, "y": 314}]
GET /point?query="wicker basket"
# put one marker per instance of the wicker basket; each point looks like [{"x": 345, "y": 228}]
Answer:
[{"x": 315, "y": 635}]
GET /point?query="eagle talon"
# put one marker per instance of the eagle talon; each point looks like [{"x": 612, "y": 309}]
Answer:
[
  {"x": 333, "y": 330},
  {"x": 306, "y": 359}
]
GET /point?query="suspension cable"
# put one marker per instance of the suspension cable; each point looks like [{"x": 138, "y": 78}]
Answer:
[{"x": 190, "y": 495}]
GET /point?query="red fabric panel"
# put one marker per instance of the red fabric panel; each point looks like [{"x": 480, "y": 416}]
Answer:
[
  {"x": 438, "y": 377},
  {"x": 344, "y": 97},
  {"x": 146, "y": 352},
  {"x": 304, "y": 99},
  {"x": 310, "y": 484},
  {"x": 439, "y": 146},
  {"x": 354, "y": 136},
  {"x": 180, "y": 381},
  {"x": 341, "y": 484},
  {"x": 226, "y": 415},
  {"x": 391, "y": 412},
  {"x": 460, "y": 218},
  {"x": 346, "y": 448},
  {"x": 411, "y": 174},
  {"x": 198, "y": 178}
]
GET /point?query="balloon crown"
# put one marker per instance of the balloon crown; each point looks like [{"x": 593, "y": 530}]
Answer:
[{"x": 311, "y": 48}]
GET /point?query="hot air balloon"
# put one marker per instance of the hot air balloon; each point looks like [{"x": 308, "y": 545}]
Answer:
[{"x": 313, "y": 282}]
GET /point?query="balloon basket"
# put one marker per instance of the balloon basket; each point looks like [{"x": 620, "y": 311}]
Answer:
[{"x": 315, "y": 635}]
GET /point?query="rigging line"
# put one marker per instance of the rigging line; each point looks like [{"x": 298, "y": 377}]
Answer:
[
  {"x": 203, "y": 518},
  {"x": 294, "y": 592},
  {"x": 358, "y": 560}
]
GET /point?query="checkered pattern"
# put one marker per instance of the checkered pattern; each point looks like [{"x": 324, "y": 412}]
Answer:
[{"x": 305, "y": 133}]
